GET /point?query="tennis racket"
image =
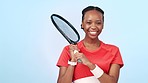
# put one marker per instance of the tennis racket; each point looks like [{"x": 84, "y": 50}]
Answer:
[{"x": 66, "y": 29}]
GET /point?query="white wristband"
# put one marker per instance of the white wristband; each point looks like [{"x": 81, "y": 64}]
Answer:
[
  {"x": 97, "y": 72},
  {"x": 72, "y": 63}
]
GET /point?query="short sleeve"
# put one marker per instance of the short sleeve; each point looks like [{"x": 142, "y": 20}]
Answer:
[
  {"x": 118, "y": 58},
  {"x": 64, "y": 57}
]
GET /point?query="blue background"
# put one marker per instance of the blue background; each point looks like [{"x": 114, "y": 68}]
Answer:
[{"x": 30, "y": 45}]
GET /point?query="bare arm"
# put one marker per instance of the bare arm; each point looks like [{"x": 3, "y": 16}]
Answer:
[
  {"x": 66, "y": 74},
  {"x": 113, "y": 75}
]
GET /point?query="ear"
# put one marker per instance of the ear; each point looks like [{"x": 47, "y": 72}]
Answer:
[
  {"x": 82, "y": 27},
  {"x": 103, "y": 25}
]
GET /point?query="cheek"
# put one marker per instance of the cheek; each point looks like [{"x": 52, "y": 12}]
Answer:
[
  {"x": 86, "y": 26},
  {"x": 100, "y": 27}
]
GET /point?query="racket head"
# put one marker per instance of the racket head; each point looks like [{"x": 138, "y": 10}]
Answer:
[{"x": 65, "y": 28}]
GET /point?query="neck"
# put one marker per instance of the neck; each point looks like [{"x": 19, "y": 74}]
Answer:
[
  {"x": 91, "y": 44},
  {"x": 91, "y": 41}
]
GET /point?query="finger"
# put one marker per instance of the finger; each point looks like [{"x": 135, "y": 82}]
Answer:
[
  {"x": 76, "y": 48},
  {"x": 71, "y": 46}
]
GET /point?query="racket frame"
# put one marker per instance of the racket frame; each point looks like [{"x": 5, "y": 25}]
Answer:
[{"x": 71, "y": 26}]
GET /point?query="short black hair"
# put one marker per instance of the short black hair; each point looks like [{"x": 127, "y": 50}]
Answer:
[{"x": 92, "y": 8}]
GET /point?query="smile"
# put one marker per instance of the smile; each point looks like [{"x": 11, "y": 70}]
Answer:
[{"x": 93, "y": 32}]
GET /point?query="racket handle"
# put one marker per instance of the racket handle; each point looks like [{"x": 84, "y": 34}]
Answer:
[{"x": 79, "y": 60}]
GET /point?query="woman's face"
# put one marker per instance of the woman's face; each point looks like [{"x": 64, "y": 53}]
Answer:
[{"x": 92, "y": 23}]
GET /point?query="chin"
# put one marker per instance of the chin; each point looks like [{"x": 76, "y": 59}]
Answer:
[{"x": 93, "y": 37}]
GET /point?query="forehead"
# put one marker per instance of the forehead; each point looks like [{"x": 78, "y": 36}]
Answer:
[{"x": 93, "y": 13}]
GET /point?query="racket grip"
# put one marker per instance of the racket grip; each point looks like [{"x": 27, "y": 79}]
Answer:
[
  {"x": 75, "y": 51},
  {"x": 79, "y": 60}
]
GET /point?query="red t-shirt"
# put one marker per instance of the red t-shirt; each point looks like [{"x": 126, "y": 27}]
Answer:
[{"x": 104, "y": 56}]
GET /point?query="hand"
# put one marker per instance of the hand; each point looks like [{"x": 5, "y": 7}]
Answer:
[
  {"x": 82, "y": 57},
  {"x": 72, "y": 51},
  {"x": 84, "y": 60}
]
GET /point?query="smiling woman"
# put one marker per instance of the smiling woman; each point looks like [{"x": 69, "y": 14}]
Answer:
[
  {"x": 30, "y": 48},
  {"x": 92, "y": 22},
  {"x": 101, "y": 62}
]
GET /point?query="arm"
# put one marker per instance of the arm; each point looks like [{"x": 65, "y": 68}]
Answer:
[
  {"x": 66, "y": 74},
  {"x": 113, "y": 75},
  {"x": 114, "y": 71}
]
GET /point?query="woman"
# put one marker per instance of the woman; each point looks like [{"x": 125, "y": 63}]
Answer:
[{"x": 100, "y": 62}]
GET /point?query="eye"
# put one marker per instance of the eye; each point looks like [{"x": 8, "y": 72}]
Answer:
[
  {"x": 99, "y": 22},
  {"x": 88, "y": 22}
]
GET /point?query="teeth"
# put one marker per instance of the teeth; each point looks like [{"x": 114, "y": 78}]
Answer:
[{"x": 93, "y": 33}]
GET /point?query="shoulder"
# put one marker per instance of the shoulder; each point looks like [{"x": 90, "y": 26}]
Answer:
[
  {"x": 66, "y": 47},
  {"x": 109, "y": 47}
]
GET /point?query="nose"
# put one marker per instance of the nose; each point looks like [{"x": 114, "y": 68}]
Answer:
[{"x": 93, "y": 26}]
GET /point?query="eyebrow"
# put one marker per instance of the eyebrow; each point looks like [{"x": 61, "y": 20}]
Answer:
[{"x": 95, "y": 20}]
